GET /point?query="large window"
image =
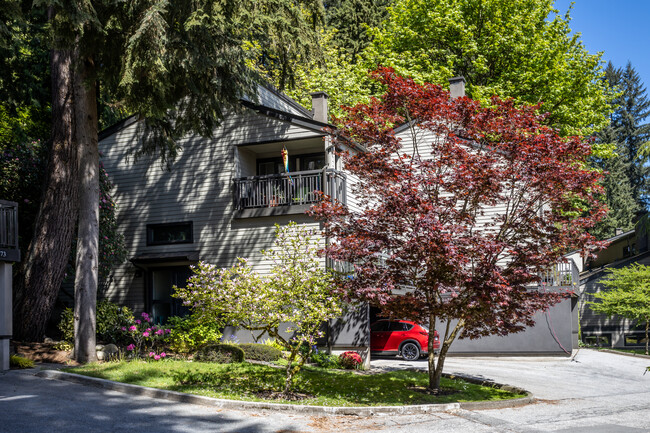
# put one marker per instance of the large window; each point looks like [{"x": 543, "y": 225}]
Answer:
[
  {"x": 173, "y": 233},
  {"x": 598, "y": 340},
  {"x": 636, "y": 339}
]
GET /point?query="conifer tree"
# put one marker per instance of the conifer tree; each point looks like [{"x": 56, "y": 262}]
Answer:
[
  {"x": 180, "y": 66},
  {"x": 633, "y": 132},
  {"x": 350, "y": 21}
]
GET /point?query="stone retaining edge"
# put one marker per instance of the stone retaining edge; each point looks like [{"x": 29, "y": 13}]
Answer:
[{"x": 304, "y": 409}]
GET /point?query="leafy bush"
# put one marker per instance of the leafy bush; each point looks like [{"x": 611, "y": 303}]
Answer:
[
  {"x": 324, "y": 360},
  {"x": 111, "y": 318},
  {"x": 261, "y": 352},
  {"x": 143, "y": 336},
  {"x": 191, "y": 332},
  {"x": 16, "y": 361},
  {"x": 273, "y": 343},
  {"x": 350, "y": 360},
  {"x": 220, "y": 353}
]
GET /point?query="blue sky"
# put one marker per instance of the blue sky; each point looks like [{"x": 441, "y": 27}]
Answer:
[{"x": 616, "y": 27}]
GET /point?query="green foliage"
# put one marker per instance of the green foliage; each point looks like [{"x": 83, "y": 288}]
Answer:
[
  {"x": 511, "y": 48},
  {"x": 627, "y": 295},
  {"x": 628, "y": 129},
  {"x": 16, "y": 361},
  {"x": 261, "y": 352},
  {"x": 297, "y": 290},
  {"x": 220, "y": 353},
  {"x": 191, "y": 332},
  {"x": 349, "y": 21},
  {"x": 324, "y": 360},
  {"x": 111, "y": 318}
]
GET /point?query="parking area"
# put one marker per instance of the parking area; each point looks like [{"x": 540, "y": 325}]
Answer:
[{"x": 595, "y": 393}]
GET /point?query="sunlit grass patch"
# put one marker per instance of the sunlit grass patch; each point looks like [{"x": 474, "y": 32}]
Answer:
[{"x": 322, "y": 387}]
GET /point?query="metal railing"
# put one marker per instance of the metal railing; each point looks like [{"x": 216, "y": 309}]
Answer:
[
  {"x": 287, "y": 189},
  {"x": 8, "y": 225},
  {"x": 563, "y": 275}
]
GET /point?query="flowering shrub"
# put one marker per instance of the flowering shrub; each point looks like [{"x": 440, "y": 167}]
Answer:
[
  {"x": 350, "y": 360},
  {"x": 145, "y": 336}
]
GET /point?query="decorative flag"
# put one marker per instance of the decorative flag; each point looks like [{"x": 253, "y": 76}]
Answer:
[{"x": 285, "y": 160}]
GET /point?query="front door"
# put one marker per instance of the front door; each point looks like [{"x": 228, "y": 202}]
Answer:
[{"x": 162, "y": 281}]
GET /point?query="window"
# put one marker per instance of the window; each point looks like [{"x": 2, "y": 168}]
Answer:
[
  {"x": 173, "y": 233},
  {"x": 636, "y": 339},
  {"x": 380, "y": 326},
  {"x": 600, "y": 340}
]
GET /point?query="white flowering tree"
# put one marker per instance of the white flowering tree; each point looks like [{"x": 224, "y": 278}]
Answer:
[{"x": 297, "y": 291}]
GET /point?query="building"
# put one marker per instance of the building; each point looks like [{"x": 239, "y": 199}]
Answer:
[{"x": 222, "y": 197}]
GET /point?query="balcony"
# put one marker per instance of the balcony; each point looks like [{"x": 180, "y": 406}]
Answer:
[
  {"x": 9, "y": 251},
  {"x": 286, "y": 193},
  {"x": 561, "y": 276}
]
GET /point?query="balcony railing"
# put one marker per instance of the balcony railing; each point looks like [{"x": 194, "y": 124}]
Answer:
[
  {"x": 289, "y": 189},
  {"x": 563, "y": 275},
  {"x": 9, "y": 231}
]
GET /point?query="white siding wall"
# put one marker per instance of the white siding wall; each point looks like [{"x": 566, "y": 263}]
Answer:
[{"x": 199, "y": 188}]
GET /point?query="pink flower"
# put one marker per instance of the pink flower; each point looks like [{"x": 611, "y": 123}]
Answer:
[
  {"x": 123, "y": 328},
  {"x": 160, "y": 332},
  {"x": 157, "y": 357},
  {"x": 167, "y": 331},
  {"x": 133, "y": 328},
  {"x": 130, "y": 347},
  {"x": 148, "y": 329},
  {"x": 152, "y": 354},
  {"x": 163, "y": 354},
  {"x": 137, "y": 321},
  {"x": 145, "y": 334}
]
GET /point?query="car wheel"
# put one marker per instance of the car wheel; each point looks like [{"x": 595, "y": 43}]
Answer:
[{"x": 410, "y": 351}]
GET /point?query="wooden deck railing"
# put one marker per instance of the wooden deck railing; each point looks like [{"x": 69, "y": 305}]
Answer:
[{"x": 298, "y": 188}]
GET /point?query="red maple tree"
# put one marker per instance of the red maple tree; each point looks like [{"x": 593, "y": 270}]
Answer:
[{"x": 461, "y": 206}]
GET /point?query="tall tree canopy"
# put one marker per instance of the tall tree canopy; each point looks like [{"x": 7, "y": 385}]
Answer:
[
  {"x": 180, "y": 66},
  {"x": 459, "y": 212},
  {"x": 512, "y": 48},
  {"x": 627, "y": 134}
]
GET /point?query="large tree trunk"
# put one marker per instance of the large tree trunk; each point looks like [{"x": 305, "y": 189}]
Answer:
[
  {"x": 38, "y": 284},
  {"x": 88, "y": 236}
]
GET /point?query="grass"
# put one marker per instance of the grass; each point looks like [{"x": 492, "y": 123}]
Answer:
[
  {"x": 635, "y": 351},
  {"x": 326, "y": 387}
]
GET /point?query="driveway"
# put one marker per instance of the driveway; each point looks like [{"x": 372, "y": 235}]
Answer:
[{"x": 597, "y": 392}]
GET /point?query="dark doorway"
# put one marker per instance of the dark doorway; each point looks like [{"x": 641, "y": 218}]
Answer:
[{"x": 161, "y": 288}]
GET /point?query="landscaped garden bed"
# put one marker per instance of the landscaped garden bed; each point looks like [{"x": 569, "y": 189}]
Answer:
[{"x": 313, "y": 386}]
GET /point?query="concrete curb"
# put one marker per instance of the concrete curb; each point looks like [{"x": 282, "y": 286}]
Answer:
[
  {"x": 302, "y": 409},
  {"x": 616, "y": 352}
]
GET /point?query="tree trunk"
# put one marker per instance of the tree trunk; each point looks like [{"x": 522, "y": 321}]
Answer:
[
  {"x": 647, "y": 326},
  {"x": 436, "y": 375},
  {"x": 37, "y": 286},
  {"x": 87, "y": 263}
]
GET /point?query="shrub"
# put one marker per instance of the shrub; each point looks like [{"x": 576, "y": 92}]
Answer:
[
  {"x": 191, "y": 332},
  {"x": 16, "y": 361},
  {"x": 220, "y": 353},
  {"x": 261, "y": 352},
  {"x": 143, "y": 336},
  {"x": 324, "y": 360},
  {"x": 350, "y": 360},
  {"x": 111, "y": 318}
]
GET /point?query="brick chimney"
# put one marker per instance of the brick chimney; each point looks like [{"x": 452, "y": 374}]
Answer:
[
  {"x": 457, "y": 87},
  {"x": 319, "y": 106}
]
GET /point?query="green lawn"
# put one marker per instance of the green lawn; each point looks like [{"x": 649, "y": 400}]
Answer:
[{"x": 327, "y": 387}]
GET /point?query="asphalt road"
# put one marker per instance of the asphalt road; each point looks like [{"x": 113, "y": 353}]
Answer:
[{"x": 595, "y": 393}]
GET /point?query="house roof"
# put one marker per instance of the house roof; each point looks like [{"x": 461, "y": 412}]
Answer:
[{"x": 272, "y": 103}]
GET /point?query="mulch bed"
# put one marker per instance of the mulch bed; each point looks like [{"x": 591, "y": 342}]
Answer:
[
  {"x": 276, "y": 395},
  {"x": 41, "y": 352}
]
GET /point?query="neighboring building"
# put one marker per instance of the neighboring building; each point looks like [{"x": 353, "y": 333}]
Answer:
[
  {"x": 222, "y": 197},
  {"x": 597, "y": 329}
]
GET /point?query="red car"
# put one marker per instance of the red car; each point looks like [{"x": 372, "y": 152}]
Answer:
[{"x": 401, "y": 337}]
